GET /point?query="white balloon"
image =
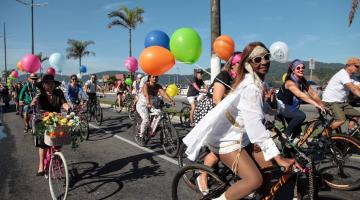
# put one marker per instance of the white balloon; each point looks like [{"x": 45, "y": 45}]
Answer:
[
  {"x": 79, "y": 75},
  {"x": 57, "y": 60},
  {"x": 279, "y": 51}
]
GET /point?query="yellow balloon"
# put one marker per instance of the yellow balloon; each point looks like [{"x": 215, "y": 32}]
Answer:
[
  {"x": 283, "y": 77},
  {"x": 172, "y": 90}
]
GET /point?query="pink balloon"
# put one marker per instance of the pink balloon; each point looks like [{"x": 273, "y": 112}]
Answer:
[
  {"x": 51, "y": 71},
  {"x": 131, "y": 64},
  {"x": 31, "y": 63},
  {"x": 15, "y": 74}
]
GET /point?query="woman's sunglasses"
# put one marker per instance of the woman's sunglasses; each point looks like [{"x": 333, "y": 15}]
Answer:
[
  {"x": 258, "y": 59},
  {"x": 298, "y": 68}
]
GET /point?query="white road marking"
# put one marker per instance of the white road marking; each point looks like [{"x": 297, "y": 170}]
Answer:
[{"x": 171, "y": 160}]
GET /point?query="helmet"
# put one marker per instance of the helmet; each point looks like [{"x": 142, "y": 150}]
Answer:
[{"x": 139, "y": 76}]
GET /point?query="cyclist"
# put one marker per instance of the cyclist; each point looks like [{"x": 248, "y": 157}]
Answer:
[
  {"x": 337, "y": 91},
  {"x": 121, "y": 89},
  {"x": 193, "y": 92},
  {"x": 50, "y": 99},
  {"x": 16, "y": 93},
  {"x": 291, "y": 93},
  {"x": 27, "y": 94},
  {"x": 149, "y": 99},
  {"x": 91, "y": 87},
  {"x": 136, "y": 85},
  {"x": 236, "y": 122},
  {"x": 74, "y": 91}
]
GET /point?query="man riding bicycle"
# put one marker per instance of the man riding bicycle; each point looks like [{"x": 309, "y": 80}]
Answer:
[
  {"x": 337, "y": 91},
  {"x": 91, "y": 87},
  {"x": 27, "y": 94},
  {"x": 122, "y": 90},
  {"x": 74, "y": 92}
]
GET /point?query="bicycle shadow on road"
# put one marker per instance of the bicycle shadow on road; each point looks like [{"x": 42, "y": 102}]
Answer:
[{"x": 92, "y": 177}]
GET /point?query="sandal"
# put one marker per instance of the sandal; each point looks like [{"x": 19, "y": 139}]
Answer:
[{"x": 40, "y": 173}]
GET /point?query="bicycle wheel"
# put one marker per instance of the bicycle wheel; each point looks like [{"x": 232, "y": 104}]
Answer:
[
  {"x": 58, "y": 177},
  {"x": 141, "y": 141},
  {"x": 131, "y": 113},
  {"x": 185, "y": 116},
  {"x": 98, "y": 114},
  {"x": 341, "y": 166},
  {"x": 170, "y": 140},
  {"x": 180, "y": 190},
  {"x": 84, "y": 128}
]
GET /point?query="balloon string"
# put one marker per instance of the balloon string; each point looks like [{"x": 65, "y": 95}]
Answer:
[{"x": 215, "y": 77}]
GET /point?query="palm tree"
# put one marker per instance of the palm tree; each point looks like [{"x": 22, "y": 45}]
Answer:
[
  {"x": 77, "y": 49},
  {"x": 127, "y": 18},
  {"x": 42, "y": 59},
  {"x": 354, "y": 7}
]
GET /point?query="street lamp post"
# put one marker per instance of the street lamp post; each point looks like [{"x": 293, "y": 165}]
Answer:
[
  {"x": 5, "y": 77},
  {"x": 32, "y": 19}
]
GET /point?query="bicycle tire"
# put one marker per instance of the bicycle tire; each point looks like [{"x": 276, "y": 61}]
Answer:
[
  {"x": 216, "y": 185},
  {"x": 185, "y": 116},
  {"x": 131, "y": 112},
  {"x": 141, "y": 141},
  {"x": 98, "y": 115},
  {"x": 56, "y": 175},
  {"x": 324, "y": 195},
  {"x": 170, "y": 140},
  {"x": 347, "y": 150},
  {"x": 84, "y": 129}
]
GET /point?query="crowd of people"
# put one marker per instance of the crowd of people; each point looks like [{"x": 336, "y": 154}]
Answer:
[{"x": 227, "y": 116}]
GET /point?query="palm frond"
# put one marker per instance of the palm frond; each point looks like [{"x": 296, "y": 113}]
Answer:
[
  {"x": 118, "y": 23},
  {"x": 354, "y": 7}
]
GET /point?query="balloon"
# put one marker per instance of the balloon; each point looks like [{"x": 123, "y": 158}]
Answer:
[
  {"x": 51, "y": 71},
  {"x": 15, "y": 74},
  {"x": 156, "y": 60},
  {"x": 79, "y": 75},
  {"x": 57, "y": 60},
  {"x": 20, "y": 66},
  {"x": 224, "y": 47},
  {"x": 172, "y": 90},
  {"x": 279, "y": 51},
  {"x": 157, "y": 38},
  {"x": 131, "y": 64},
  {"x": 31, "y": 63},
  {"x": 283, "y": 77},
  {"x": 128, "y": 81},
  {"x": 185, "y": 44},
  {"x": 83, "y": 69}
]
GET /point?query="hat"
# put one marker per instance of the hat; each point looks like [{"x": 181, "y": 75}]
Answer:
[
  {"x": 199, "y": 71},
  {"x": 33, "y": 76},
  {"x": 139, "y": 76},
  {"x": 353, "y": 61},
  {"x": 49, "y": 78}
]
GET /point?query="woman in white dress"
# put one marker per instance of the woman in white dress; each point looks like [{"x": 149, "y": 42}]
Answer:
[{"x": 236, "y": 122}]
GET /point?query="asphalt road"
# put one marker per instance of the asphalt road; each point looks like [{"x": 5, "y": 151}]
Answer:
[{"x": 107, "y": 166}]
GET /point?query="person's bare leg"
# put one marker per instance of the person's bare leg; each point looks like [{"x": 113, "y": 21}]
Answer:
[
  {"x": 251, "y": 178},
  {"x": 210, "y": 160},
  {"x": 42, "y": 153},
  {"x": 192, "y": 112}
]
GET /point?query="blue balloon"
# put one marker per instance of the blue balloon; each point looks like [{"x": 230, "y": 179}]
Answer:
[
  {"x": 82, "y": 69},
  {"x": 157, "y": 38}
]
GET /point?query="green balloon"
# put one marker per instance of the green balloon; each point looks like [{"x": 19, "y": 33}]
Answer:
[
  {"x": 185, "y": 44},
  {"x": 128, "y": 81}
]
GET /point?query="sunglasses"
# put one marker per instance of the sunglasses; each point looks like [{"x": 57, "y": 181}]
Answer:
[
  {"x": 258, "y": 59},
  {"x": 298, "y": 68},
  {"x": 74, "y": 79},
  {"x": 357, "y": 66}
]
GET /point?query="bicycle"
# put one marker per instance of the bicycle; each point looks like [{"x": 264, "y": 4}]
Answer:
[
  {"x": 129, "y": 101},
  {"x": 185, "y": 114},
  {"x": 119, "y": 106},
  {"x": 84, "y": 129},
  {"x": 159, "y": 123},
  {"x": 221, "y": 177},
  {"x": 339, "y": 152},
  {"x": 94, "y": 110}
]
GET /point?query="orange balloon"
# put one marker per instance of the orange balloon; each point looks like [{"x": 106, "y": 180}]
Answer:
[
  {"x": 224, "y": 47},
  {"x": 156, "y": 60},
  {"x": 19, "y": 66}
]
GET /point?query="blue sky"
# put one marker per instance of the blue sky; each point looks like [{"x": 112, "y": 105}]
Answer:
[{"x": 311, "y": 28}]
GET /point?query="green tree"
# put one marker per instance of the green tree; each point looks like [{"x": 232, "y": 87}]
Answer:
[
  {"x": 78, "y": 49},
  {"x": 127, "y": 18},
  {"x": 354, "y": 6}
]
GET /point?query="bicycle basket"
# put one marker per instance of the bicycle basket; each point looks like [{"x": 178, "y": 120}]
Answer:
[{"x": 61, "y": 136}]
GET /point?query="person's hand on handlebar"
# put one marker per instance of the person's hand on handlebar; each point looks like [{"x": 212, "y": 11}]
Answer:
[{"x": 287, "y": 163}]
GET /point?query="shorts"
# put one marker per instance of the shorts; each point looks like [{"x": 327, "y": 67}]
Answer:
[
  {"x": 342, "y": 110},
  {"x": 39, "y": 142},
  {"x": 120, "y": 93},
  {"x": 192, "y": 98},
  {"x": 226, "y": 147},
  {"x": 27, "y": 109}
]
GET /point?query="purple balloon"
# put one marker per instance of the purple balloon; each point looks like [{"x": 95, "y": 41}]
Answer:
[
  {"x": 131, "y": 64},
  {"x": 31, "y": 63}
]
